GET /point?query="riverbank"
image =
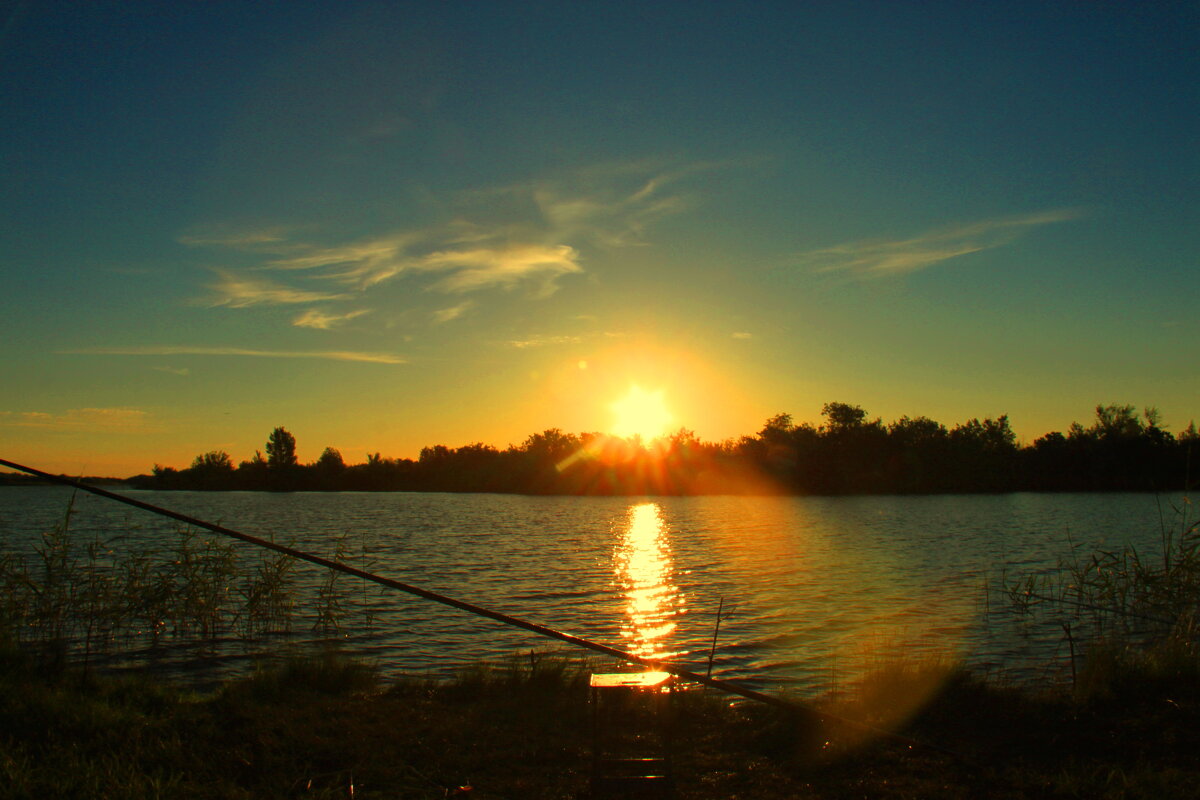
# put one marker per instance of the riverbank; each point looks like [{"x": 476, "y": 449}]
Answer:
[{"x": 314, "y": 727}]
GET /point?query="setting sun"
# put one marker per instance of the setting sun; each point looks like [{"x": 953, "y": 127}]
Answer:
[{"x": 641, "y": 413}]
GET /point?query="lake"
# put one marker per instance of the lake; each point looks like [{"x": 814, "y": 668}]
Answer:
[{"x": 815, "y": 588}]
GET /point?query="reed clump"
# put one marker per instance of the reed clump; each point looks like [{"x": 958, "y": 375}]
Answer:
[
  {"x": 1125, "y": 591},
  {"x": 78, "y": 598},
  {"x": 1129, "y": 618}
]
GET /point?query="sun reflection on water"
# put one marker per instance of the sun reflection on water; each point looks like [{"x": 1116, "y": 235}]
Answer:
[{"x": 644, "y": 572}]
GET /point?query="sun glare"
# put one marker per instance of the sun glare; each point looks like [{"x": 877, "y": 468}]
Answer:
[{"x": 640, "y": 413}]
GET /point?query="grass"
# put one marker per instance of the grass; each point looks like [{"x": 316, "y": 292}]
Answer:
[
  {"x": 77, "y": 600},
  {"x": 1123, "y": 593},
  {"x": 316, "y": 726}
]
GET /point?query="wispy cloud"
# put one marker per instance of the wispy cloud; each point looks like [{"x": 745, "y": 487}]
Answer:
[
  {"x": 742, "y": 335},
  {"x": 240, "y": 291},
  {"x": 92, "y": 419},
  {"x": 364, "y": 264},
  {"x": 181, "y": 371},
  {"x": 323, "y": 321},
  {"x": 359, "y": 264},
  {"x": 608, "y": 204},
  {"x": 269, "y": 238},
  {"x": 542, "y": 341},
  {"x": 453, "y": 312},
  {"x": 522, "y": 235},
  {"x": 330, "y": 355},
  {"x": 485, "y": 267},
  {"x": 883, "y": 258}
]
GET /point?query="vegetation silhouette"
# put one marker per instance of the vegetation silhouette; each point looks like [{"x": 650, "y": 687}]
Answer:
[{"x": 849, "y": 453}]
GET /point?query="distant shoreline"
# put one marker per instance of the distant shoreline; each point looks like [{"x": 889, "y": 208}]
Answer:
[{"x": 18, "y": 480}]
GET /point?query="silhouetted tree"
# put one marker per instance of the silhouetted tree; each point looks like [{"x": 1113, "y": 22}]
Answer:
[
  {"x": 166, "y": 478},
  {"x": 282, "y": 467},
  {"x": 281, "y": 449},
  {"x": 252, "y": 474},
  {"x": 777, "y": 429},
  {"x": 854, "y": 450},
  {"x": 331, "y": 460},
  {"x": 216, "y": 460},
  {"x": 983, "y": 455},
  {"x": 212, "y": 470},
  {"x": 536, "y": 460},
  {"x": 328, "y": 472},
  {"x": 918, "y": 449},
  {"x": 842, "y": 417},
  {"x": 773, "y": 449},
  {"x": 850, "y": 453}
]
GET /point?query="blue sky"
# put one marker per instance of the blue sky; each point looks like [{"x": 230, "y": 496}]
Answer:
[{"x": 392, "y": 225}]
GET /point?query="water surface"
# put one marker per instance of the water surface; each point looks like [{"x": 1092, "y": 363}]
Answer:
[{"x": 818, "y": 587}]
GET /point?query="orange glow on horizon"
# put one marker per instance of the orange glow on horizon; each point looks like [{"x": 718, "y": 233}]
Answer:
[{"x": 697, "y": 392}]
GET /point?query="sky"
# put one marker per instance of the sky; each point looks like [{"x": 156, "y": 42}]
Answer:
[{"x": 391, "y": 225}]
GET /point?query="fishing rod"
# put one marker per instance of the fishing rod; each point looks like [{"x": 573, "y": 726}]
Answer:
[{"x": 471, "y": 608}]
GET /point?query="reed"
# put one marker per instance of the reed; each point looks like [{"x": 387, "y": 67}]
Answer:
[
  {"x": 329, "y": 594},
  {"x": 268, "y": 595},
  {"x": 1127, "y": 616},
  {"x": 74, "y": 598}
]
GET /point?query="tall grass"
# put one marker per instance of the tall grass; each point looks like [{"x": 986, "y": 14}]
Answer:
[
  {"x": 1125, "y": 610},
  {"x": 75, "y": 597},
  {"x": 1124, "y": 590}
]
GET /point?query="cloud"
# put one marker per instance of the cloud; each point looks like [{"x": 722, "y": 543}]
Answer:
[
  {"x": 454, "y": 312},
  {"x": 181, "y": 371},
  {"x": 471, "y": 270},
  {"x": 268, "y": 238},
  {"x": 542, "y": 341},
  {"x": 883, "y": 258},
  {"x": 612, "y": 205},
  {"x": 364, "y": 264},
  {"x": 237, "y": 291},
  {"x": 742, "y": 335},
  {"x": 91, "y": 419},
  {"x": 359, "y": 264},
  {"x": 315, "y": 318},
  {"x": 169, "y": 350},
  {"x": 528, "y": 234}
]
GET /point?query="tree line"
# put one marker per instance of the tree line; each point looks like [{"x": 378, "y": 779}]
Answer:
[{"x": 848, "y": 453}]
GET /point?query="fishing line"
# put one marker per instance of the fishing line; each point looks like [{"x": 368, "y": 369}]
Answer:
[{"x": 665, "y": 666}]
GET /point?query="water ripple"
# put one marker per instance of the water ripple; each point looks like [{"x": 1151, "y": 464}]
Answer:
[{"x": 811, "y": 588}]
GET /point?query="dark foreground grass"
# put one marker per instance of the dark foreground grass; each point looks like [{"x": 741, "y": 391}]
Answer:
[{"x": 316, "y": 727}]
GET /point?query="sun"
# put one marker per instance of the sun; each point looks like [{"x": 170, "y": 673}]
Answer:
[{"x": 640, "y": 413}]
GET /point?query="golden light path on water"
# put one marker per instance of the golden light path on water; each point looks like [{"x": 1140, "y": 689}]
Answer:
[{"x": 644, "y": 571}]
